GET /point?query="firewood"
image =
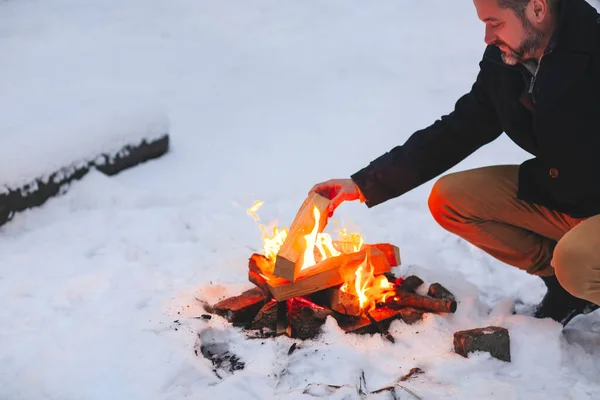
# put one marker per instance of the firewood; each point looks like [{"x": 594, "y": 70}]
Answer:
[
  {"x": 493, "y": 339},
  {"x": 405, "y": 299},
  {"x": 260, "y": 281},
  {"x": 330, "y": 272},
  {"x": 411, "y": 315},
  {"x": 290, "y": 257},
  {"x": 240, "y": 310},
  {"x": 260, "y": 264},
  {"x": 410, "y": 284},
  {"x": 306, "y": 318},
  {"x": 391, "y": 252},
  {"x": 383, "y": 315},
  {"x": 266, "y": 317},
  {"x": 341, "y": 301},
  {"x": 437, "y": 291},
  {"x": 386, "y": 334}
]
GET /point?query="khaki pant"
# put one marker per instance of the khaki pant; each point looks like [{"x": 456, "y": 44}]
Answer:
[{"x": 481, "y": 206}]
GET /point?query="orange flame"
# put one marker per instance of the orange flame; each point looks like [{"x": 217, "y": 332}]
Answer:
[
  {"x": 369, "y": 289},
  {"x": 317, "y": 242}
]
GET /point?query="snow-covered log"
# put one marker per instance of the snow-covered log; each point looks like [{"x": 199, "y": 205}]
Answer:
[{"x": 41, "y": 159}]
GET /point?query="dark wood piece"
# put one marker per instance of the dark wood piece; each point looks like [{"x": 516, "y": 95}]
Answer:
[
  {"x": 266, "y": 317},
  {"x": 241, "y": 310},
  {"x": 383, "y": 315},
  {"x": 386, "y": 334},
  {"x": 306, "y": 318},
  {"x": 410, "y": 284},
  {"x": 437, "y": 291},
  {"x": 411, "y": 315},
  {"x": 406, "y": 299},
  {"x": 493, "y": 339}
]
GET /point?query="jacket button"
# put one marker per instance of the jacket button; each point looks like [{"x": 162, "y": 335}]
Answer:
[{"x": 553, "y": 172}]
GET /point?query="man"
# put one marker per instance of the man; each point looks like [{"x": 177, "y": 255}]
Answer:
[{"x": 539, "y": 81}]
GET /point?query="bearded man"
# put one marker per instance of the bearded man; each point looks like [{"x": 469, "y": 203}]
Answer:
[{"x": 539, "y": 82}]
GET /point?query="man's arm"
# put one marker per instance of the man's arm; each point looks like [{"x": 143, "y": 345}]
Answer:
[{"x": 432, "y": 151}]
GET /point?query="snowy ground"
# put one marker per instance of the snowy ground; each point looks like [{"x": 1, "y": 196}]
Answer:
[{"x": 265, "y": 98}]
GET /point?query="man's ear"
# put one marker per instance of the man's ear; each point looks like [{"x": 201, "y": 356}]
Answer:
[{"x": 538, "y": 10}]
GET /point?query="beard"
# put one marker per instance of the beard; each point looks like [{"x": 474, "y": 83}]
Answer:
[{"x": 530, "y": 45}]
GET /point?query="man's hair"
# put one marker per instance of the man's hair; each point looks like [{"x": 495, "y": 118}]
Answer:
[{"x": 519, "y": 6}]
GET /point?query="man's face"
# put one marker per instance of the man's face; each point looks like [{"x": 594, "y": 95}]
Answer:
[{"x": 518, "y": 39}]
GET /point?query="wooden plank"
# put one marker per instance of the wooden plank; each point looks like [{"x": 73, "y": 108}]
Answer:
[
  {"x": 342, "y": 302},
  {"x": 241, "y": 310},
  {"x": 290, "y": 257},
  {"x": 391, "y": 252},
  {"x": 330, "y": 272}
]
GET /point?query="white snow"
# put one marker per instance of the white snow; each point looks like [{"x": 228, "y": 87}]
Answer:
[{"x": 263, "y": 99}]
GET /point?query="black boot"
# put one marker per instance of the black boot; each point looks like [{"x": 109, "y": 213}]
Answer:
[{"x": 561, "y": 305}]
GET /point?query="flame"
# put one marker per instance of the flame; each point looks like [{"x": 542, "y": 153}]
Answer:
[
  {"x": 319, "y": 245},
  {"x": 369, "y": 289}
]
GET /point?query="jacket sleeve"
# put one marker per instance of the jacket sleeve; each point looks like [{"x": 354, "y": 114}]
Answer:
[{"x": 432, "y": 151}]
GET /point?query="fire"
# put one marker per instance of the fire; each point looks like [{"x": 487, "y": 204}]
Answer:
[
  {"x": 319, "y": 244},
  {"x": 369, "y": 289}
]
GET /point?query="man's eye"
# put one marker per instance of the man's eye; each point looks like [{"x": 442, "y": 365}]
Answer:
[{"x": 496, "y": 25}]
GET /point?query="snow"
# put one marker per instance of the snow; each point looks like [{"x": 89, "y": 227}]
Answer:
[{"x": 263, "y": 99}]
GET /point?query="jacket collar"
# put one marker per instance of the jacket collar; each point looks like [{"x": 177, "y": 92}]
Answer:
[{"x": 576, "y": 27}]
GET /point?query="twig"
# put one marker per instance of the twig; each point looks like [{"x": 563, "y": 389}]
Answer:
[{"x": 379, "y": 328}]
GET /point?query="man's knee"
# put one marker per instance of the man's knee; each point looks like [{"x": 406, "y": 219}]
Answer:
[
  {"x": 444, "y": 197},
  {"x": 574, "y": 268}
]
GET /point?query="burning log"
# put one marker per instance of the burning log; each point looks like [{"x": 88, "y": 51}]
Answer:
[
  {"x": 493, "y": 339},
  {"x": 330, "y": 272},
  {"x": 310, "y": 219},
  {"x": 405, "y": 299},
  {"x": 439, "y": 292},
  {"x": 240, "y": 310}
]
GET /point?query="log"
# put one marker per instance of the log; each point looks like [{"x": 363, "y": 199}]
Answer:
[
  {"x": 290, "y": 257},
  {"x": 493, "y": 339},
  {"x": 410, "y": 284},
  {"x": 437, "y": 291},
  {"x": 411, "y": 315},
  {"x": 266, "y": 317},
  {"x": 306, "y": 318},
  {"x": 241, "y": 310},
  {"x": 40, "y": 190},
  {"x": 405, "y": 299},
  {"x": 391, "y": 252},
  {"x": 259, "y": 281},
  {"x": 383, "y": 315},
  {"x": 260, "y": 264},
  {"x": 333, "y": 271},
  {"x": 341, "y": 301}
]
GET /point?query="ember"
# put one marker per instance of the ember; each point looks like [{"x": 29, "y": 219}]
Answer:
[{"x": 305, "y": 276}]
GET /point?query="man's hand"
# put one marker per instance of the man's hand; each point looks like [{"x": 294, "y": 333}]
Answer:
[{"x": 338, "y": 191}]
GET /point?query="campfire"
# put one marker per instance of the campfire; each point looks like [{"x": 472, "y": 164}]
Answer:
[{"x": 304, "y": 276}]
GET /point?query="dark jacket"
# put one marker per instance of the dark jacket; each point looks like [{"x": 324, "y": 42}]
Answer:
[{"x": 561, "y": 130}]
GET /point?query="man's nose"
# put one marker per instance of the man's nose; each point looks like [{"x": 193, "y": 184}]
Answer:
[{"x": 489, "y": 36}]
